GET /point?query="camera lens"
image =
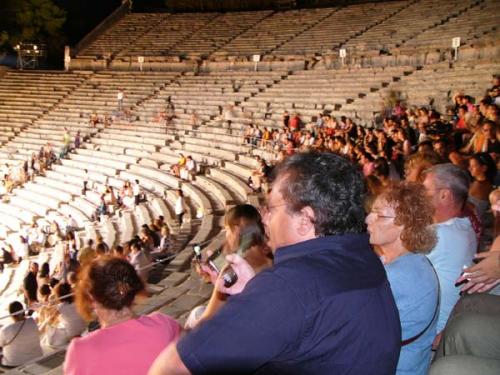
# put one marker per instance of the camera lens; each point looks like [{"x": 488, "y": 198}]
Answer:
[{"x": 229, "y": 277}]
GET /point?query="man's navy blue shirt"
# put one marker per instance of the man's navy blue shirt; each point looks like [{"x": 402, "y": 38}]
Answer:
[{"x": 324, "y": 308}]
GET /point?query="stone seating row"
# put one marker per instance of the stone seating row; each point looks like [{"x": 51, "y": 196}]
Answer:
[
  {"x": 169, "y": 32},
  {"x": 127, "y": 30},
  {"x": 363, "y": 28},
  {"x": 469, "y": 25}
]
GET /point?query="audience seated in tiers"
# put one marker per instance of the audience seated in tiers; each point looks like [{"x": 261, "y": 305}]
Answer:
[
  {"x": 399, "y": 224},
  {"x": 125, "y": 344},
  {"x": 419, "y": 145}
]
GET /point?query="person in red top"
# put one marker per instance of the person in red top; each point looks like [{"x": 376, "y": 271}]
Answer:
[
  {"x": 461, "y": 122},
  {"x": 289, "y": 147},
  {"x": 295, "y": 122}
]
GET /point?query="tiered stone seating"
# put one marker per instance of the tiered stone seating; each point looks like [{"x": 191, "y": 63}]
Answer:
[
  {"x": 99, "y": 92},
  {"x": 404, "y": 25},
  {"x": 26, "y": 96},
  {"x": 314, "y": 91},
  {"x": 470, "y": 25},
  {"x": 365, "y": 29},
  {"x": 436, "y": 85},
  {"x": 123, "y": 34},
  {"x": 272, "y": 32},
  {"x": 341, "y": 26},
  {"x": 218, "y": 33},
  {"x": 168, "y": 34}
]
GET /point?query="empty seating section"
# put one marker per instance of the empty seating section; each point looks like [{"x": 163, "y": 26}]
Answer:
[
  {"x": 436, "y": 84},
  {"x": 393, "y": 27},
  {"x": 272, "y": 32},
  {"x": 171, "y": 31},
  {"x": 123, "y": 34},
  {"x": 409, "y": 22},
  {"x": 217, "y": 33},
  {"x": 313, "y": 91},
  {"x": 340, "y": 27},
  {"x": 24, "y": 97},
  {"x": 481, "y": 18}
]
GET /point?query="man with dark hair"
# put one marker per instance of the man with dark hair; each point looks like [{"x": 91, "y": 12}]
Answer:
[
  {"x": 324, "y": 308},
  {"x": 30, "y": 284},
  {"x": 20, "y": 339}
]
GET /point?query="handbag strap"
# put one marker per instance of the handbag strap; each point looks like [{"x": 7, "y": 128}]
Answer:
[
  {"x": 416, "y": 337},
  {"x": 17, "y": 334}
]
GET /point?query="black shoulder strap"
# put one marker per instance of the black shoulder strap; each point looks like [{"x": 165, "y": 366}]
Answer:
[
  {"x": 17, "y": 334},
  {"x": 416, "y": 337}
]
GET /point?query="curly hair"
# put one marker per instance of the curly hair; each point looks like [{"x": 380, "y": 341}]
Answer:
[
  {"x": 109, "y": 281},
  {"x": 414, "y": 212},
  {"x": 420, "y": 161}
]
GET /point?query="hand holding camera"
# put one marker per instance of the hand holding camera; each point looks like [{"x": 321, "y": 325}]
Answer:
[{"x": 240, "y": 267}]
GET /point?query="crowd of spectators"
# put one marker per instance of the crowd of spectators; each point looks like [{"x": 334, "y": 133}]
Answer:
[
  {"x": 48, "y": 317},
  {"x": 311, "y": 295}
]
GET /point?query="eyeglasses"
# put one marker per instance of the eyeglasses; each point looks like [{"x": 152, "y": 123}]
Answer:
[
  {"x": 380, "y": 216},
  {"x": 266, "y": 209}
]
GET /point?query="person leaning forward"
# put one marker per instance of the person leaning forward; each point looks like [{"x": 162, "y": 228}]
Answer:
[{"x": 324, "y": 307}]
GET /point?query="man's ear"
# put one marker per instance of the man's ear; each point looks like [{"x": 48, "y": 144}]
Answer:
[
  {"x": 444, "y": 194},
  {"x": 305, "y": 221}
]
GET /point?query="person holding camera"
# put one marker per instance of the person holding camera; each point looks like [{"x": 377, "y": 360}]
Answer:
[
  {"x": 245, "y": 234},
  {"x": 324, "y": 307}
]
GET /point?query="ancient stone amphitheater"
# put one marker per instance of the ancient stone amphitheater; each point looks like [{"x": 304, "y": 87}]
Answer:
[{"x": 204, "y": 62}]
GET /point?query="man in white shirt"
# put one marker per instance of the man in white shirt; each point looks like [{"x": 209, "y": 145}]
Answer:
[
  {"x": 120, "y": 97},
  {"x": 136, "y": 191},
  {"x": 20, "y": 340},
  {"x": 447, "y": 186},
  {"x": 179, "y": 207}
]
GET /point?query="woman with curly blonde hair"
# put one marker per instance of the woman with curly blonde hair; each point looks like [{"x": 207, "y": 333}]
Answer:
[{"x": 399, "y": 224}]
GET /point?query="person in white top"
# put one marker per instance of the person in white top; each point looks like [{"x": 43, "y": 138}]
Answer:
[
  {"x": 189, "y": 170},
  {"x": 180, "y": 205},
  {"x": 120, "y": 96},
  {"x": 136, "y": 191},
  {"x": 21, "y": 249},
  {"x": 71, "y": 225},
  {"x": 447, "y": 187},
  {"x": 20, "y": 340},
  {"x": 139, "y": 260},
  {"x": 72, "y": 322}
]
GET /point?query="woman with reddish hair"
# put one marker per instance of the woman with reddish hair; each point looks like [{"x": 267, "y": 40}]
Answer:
[{"x": 399, "y": 224}]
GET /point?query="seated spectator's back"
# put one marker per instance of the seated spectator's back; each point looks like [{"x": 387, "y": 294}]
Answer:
[
  {"x": 19, "y": 340},
  {"x": 125, "y": 344}
]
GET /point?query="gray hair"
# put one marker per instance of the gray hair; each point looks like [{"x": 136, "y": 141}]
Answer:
[{"x": 451, "y": 177}]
